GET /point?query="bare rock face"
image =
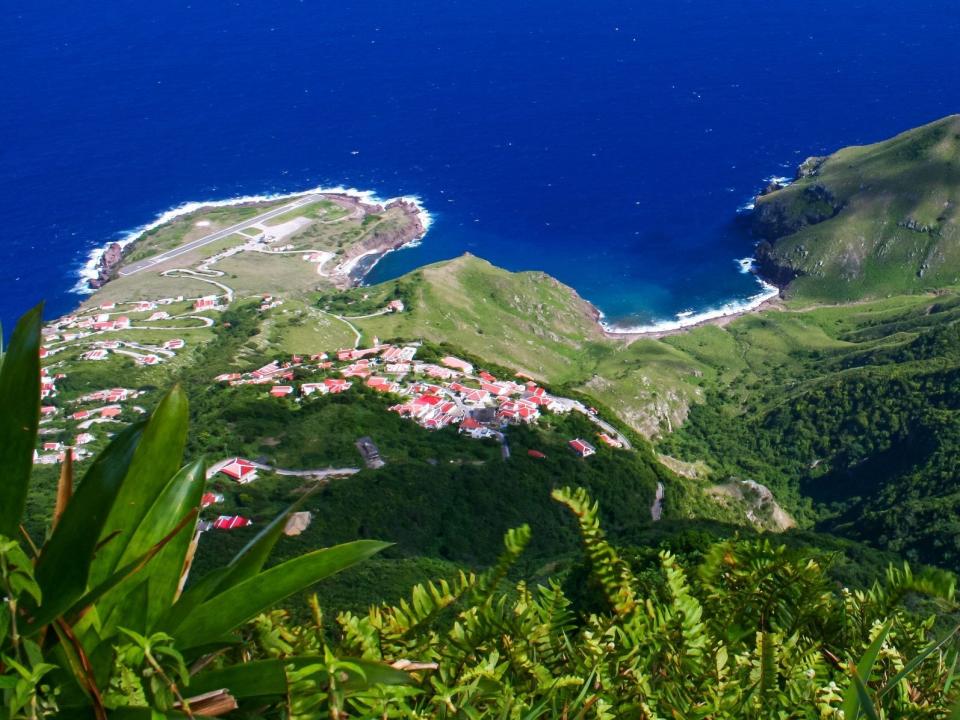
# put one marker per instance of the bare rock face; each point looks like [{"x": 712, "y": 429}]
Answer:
[
  {"x": 384, "y": 240},
  {"x": 107, "y": 265},
  {"x": 297, "y": 523}
]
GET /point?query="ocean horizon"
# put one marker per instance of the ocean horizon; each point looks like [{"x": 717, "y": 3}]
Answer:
[{"x": 603, "y": 147}]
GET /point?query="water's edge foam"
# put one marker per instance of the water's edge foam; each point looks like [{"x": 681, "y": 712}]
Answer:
[
  {"x": 89, "y": 270},
  {"x": 689, "y": 319}
]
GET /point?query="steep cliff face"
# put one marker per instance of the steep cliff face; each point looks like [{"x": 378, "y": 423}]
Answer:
[
  {"x": 867, "y": 220},
  {"x": 402, "y": 225},
  {"x": 107, "y": 265}
]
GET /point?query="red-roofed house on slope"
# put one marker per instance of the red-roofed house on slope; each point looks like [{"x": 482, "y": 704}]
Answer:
[
  {"x": 582, "y": 447},
  {"x": 457, "y": 364},
  {"x": 281, "y": 390},
  {"x": 231, "y": 522},
  {"x": 612, "y": 442},
  {"x": 336, "y": 385},
  {"x": 205, "y": 303},
  {"x": 243, "y": 471},
  {"x": 210, "y": 498}
]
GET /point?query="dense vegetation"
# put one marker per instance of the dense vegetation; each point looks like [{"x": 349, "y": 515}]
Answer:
[
  {"x": 868, "y": 429},
  {"x": 96, "y": 620}
]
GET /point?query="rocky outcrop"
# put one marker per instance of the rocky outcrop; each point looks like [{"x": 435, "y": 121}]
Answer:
[
  {"x": 382, "y": 240},
  {"x": 107, "y": 266},
  {"x": 775, "y": 216}
]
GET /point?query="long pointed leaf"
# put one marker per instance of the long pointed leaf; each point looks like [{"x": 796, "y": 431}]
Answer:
[
  {"x": 919, "y": 658},
  {"x": 19, "y": 418},
  {"x": 253, "y": 556},
  {"x": 181, "y": 495},
  {"x": 863, "y": 671},
  {"x": 64, "y": 565},
  {"x": 259, "y": 678},
  {"x": 155, "y": 461},
  {"x": 231, "y": 608}
]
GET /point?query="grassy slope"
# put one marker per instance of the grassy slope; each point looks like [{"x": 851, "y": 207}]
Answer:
[{"x": 896, "y": 230}]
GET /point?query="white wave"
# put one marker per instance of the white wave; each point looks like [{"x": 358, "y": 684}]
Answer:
[
  {"x": 688, "y": 319},
  {"x": 89, "y": 270},
  {"x": 746, "y": 207},
  {"x": 779, "y": 180}
]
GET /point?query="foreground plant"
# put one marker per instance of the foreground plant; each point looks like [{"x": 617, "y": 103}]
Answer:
[{"x": 94, "y": 615}]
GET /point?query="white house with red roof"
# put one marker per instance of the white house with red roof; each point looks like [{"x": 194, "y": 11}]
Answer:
[
  {"x": 336, "y": 385},
  {"x": 582, "y": 447},
  {"x": 243, "y": 471},
  {"x": 231, "y": 522},
  {"x": 612, "y": 442},
  {"x": 281, "y": 390},
  {"x": 121, "y": 323},
  {"x": 83, "y": 439},
  {"x": 159, "y": 315},
  {"x": 98, "y": 354},
  {"x": 457, "y": 364},
  {"x": 210, "y": 498},
  {"x": 208, "y": 302}
]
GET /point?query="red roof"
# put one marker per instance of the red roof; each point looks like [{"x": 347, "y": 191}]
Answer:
[
  {"x": 238, "y": 468},
  {"x": 230, "y": 522},
  {"x": 484, "y": 375},
  {"x": 470, "y": 424},
  {"x": 536, "y": 454},
  {"x": 582, "y": 447},
  {"x": 109, "y": 412},
  {"x": 209, "y": 499},
  {"x": 427, "y": 400}
]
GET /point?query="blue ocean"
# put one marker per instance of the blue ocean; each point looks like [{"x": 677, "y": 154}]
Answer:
[{"x": 608, "y": 143}]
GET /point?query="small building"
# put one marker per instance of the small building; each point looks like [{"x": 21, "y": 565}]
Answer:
[
  {"x": 336, "y": 385},
  {"x": 457, "y": 364},
  {"x": 94, "y": 355},
  {"x": 159, "y": 315},
  {"x": 207, "y": 302},
  {"x": 582, "y": 447},
  {"x": 611, "y": 442},
  {"x": 110, "y": 412},
  {"x": 536, "y": 454},
  {"x": 83, "y": 439},
  {"x": 281, "y": 390},
  {"x": 243, "y": 471},
  {"x": 231, "y": 522},
  {"x": 209, "y": 499}
]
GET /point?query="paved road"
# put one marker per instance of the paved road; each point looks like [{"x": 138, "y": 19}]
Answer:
[
  {"x": 136, "y": 267},
  {"x": 602, "y": 424}
]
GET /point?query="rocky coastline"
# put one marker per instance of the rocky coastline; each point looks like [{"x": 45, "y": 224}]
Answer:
[{"x": 106, "y": 266}]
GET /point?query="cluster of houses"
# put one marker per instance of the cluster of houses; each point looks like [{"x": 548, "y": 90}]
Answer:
[{"x": 434, "y": 395}]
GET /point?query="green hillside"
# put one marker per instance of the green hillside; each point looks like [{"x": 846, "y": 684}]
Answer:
[{"x": 868, "y": 221}]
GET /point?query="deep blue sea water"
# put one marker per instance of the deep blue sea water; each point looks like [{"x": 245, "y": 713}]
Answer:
[{"x": 609, "y": 143}]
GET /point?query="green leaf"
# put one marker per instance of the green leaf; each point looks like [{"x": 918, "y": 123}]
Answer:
[
  {"x": 245, "y": 564},
  {"x": 156, "y": 460},
  {"x": 915, "y": 661},
  {"x": 19, "y": 418},
  {"x": 64, "y": 565},
  {"x": 231, "y": 608},
  {"x": 253, "y": 556},
  {"x": 862, "y": 672},
  {"x": 259, "y": 678},
  {"x": 864, "y": 696},
  {"x": 162, "y": 574}
]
